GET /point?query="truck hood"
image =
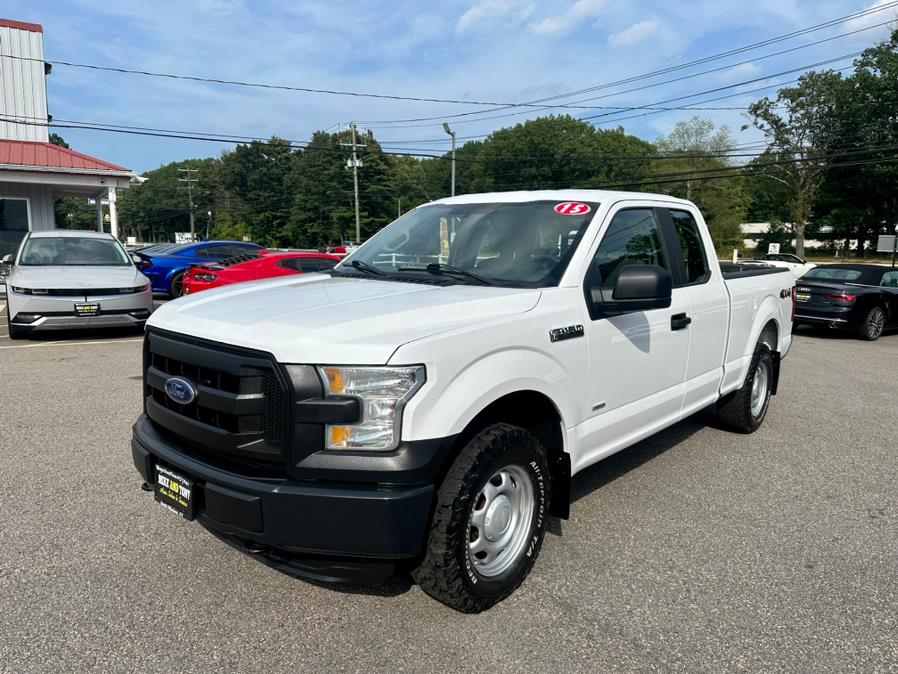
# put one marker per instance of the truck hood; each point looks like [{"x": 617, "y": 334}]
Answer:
[
  {"x": 76, "y": 278},
  {"x": 319, "y": 319}
]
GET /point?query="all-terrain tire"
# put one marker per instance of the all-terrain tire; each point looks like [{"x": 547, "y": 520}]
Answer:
[
  {"x": 447, "y": 571},
  {"x": 744, "y": 410}
]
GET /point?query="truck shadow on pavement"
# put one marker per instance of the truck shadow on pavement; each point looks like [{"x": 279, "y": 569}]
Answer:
[
  {"x": 584, "y": 483},
  {"x": 617, "y": 465}
]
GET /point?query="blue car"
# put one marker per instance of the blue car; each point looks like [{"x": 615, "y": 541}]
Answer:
[{"x": 166, "y": 263}]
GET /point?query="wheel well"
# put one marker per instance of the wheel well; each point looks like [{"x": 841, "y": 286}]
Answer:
[
  {"x": 535, "y": 412},
  {"x": 770, "y": 336}
]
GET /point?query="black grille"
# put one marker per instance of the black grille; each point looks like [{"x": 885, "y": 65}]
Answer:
[{"x": 240, "y": 409}]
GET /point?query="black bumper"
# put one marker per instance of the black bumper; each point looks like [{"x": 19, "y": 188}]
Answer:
[{"x": 325, "y": 530}]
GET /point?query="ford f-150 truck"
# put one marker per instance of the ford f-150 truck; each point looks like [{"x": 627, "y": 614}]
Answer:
[{"x": 426, "y": 402}]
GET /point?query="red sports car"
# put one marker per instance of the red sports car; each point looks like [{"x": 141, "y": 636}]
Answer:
[{"x": 253, "y": 267}]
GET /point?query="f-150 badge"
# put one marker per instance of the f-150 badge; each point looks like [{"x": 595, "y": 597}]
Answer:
[{"x": 571, "y": 331}]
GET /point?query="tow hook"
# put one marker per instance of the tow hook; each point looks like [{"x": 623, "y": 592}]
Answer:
[{"x": 146, "y": 487}]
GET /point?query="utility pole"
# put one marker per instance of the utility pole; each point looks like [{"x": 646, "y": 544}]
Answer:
[
  {"x": 355, "y": 163},
  {"x": 189, "y": 179},
  {"x": 451, "y": 133}
]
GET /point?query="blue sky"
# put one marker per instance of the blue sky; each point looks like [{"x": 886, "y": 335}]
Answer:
[{"x": 494, "y": 50}]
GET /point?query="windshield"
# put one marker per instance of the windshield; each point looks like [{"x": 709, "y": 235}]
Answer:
[
  {"x": 508, "y": 244},
  {"x": 833, "y": 274},
  {"x": 73, "y": 251}
]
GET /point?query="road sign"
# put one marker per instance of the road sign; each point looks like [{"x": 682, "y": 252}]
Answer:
[
  {"x": 886, "y": 243},
  {"x": 773, "y": 249}
]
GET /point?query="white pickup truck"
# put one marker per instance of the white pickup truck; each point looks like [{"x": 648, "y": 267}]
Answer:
[{"x": 426, "y": 403}]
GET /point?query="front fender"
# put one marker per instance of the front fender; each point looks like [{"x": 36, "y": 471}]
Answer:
[{"x": 450, "y": 401}]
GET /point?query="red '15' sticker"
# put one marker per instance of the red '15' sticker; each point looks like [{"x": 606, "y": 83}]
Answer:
[{"x": 572, "y": 208}]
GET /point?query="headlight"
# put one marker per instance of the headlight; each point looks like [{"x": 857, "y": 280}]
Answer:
[
  {"x": 382, "y": 392},
  {"x": 203, "y": 276},
  {"x": 21, "y": 291}
]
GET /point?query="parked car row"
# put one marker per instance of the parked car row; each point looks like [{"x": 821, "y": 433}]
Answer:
[
  {"x": 166, "y": 263},
  {"x": 254, "y": 267}
]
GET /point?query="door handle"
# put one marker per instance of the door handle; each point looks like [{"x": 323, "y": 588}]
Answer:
[{"x": 679, "y": 321}]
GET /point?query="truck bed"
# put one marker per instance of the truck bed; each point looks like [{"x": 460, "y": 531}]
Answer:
[
  {"x": 753, "y": 290},
  {"x": 734, "y": 270}
]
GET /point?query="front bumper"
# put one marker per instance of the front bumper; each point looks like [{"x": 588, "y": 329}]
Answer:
[
  {"x": 324, "y": 530},
  {"x": 58, "y": 312}
]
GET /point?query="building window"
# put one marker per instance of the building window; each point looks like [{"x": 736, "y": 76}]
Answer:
[{"x": 13, "y": 224}]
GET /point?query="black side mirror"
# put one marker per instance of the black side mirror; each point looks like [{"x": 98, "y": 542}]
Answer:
[{"x": 638, "y": 288}]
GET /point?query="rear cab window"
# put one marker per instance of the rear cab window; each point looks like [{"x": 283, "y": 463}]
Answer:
[{"x": 692, "y": 246}]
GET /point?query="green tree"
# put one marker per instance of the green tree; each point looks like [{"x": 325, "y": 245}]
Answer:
[
  {"x": 802, "y": 126},
  {"x": 695, "y": 149},
  {"x": 860, "y": 200}
]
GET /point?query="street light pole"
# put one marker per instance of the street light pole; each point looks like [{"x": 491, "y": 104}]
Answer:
[{"x": 451, "y": 133}]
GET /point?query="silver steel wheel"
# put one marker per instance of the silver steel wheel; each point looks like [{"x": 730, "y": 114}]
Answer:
[
  {"x": 500, "y": 520},
  {"x": 875, "y": 323},
  {"x": 759, "y": 387}
]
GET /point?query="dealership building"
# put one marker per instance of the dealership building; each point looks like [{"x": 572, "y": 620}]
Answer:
[{"x": 33, "y": 171}]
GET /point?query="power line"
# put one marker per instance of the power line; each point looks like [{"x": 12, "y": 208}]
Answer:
[
  {"x": 424, "y": 99},
  {"x": 663, "y": 71},
  {"x": 168, "y": 133}
]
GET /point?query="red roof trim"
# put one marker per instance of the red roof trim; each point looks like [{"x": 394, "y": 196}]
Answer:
[
  {"x": 47, "y": 155},
  {"x": 21, "y": 25}
]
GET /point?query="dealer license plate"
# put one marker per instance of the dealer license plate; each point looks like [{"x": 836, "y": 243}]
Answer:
[
  {"x": 87, "y": 309},
  {"x": 175, "y": 492}
]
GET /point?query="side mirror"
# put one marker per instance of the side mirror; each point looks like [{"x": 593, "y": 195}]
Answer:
[
  {"x": 7, "y": 259},
  {"x": 638, "y": 288}
]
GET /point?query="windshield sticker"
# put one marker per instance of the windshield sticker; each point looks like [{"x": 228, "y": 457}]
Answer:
[{"x": 572, "y": 208}]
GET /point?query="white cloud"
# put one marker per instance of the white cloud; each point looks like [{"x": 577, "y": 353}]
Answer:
[
  {"x": 486, "y": 12},
  {"x": 562, "y": 23},
  {"x": 634, "y": 34},
  {"x": 874, "y": 18}
]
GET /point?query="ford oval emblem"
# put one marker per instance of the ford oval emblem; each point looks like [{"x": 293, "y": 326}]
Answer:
[{"x": 180, "y": 390}]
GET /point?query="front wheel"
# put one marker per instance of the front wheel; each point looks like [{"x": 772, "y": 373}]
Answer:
[
  {"x": 489, "y": 521},
  {"x": 744, "y": 410},
  {"x": 874, "y": 324}
]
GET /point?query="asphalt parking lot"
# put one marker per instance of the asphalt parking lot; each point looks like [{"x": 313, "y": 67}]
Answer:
[{"x": 696, "y": 550}]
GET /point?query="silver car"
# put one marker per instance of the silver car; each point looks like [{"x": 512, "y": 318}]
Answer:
[{"x": 63, "y": 279}]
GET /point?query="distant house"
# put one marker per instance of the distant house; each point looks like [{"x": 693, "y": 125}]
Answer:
[
  {"x": 34, "y": 172},
  {"x": 753, "y": 231}
]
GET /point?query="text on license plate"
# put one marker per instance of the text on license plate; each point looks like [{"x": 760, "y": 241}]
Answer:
[
  {"x": 87, "y": 309},
  {"x": 802, "y": 297},
  {"x": 174, "y": 491}
]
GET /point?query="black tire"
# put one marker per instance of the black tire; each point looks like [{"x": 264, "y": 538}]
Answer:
[
  {"x": 15, "y": 332},
  {"x": 446, "y": 572},
  {"x": 740, "y": 411},
  {"x": 176, "y": 285},
  {"x": 873, "y": 325}
]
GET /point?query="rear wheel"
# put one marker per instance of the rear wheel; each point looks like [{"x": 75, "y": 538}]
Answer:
[
  {"x": 744, "y": 410},
  {"x": 176, "y": 285},
  {"x": 874, "y": 324},
  {"x": 489, "y": 522}
]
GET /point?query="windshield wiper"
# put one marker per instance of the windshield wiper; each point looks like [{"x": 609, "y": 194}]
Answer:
[
  {"x": 440, "y": 268},
  {"x": 366, "y": 268}
]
